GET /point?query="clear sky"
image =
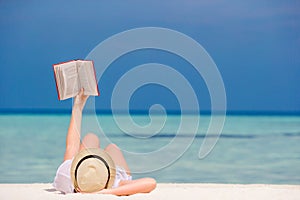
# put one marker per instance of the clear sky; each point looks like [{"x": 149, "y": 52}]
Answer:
[{"x": 255, "y": 44}]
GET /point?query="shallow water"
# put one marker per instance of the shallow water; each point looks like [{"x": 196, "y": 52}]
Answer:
[{"x": 251, "y": 149}]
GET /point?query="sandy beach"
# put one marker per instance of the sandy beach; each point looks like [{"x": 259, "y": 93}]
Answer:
[{"x": 163, "y": 191}]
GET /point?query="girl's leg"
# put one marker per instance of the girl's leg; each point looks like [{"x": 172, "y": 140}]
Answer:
[
  {"x": 117, "y": 156},
  {"x": 90, "y": 141}
]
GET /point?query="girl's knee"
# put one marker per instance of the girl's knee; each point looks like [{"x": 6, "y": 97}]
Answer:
[
  {"x": 91, "y": 136},
  {"x": 91, "y": 140}
]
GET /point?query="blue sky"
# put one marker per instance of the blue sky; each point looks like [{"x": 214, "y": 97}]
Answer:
[{"x": 255, "y": 45}]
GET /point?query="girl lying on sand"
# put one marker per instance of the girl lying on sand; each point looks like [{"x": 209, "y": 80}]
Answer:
[{"x": 89, "y": 169}]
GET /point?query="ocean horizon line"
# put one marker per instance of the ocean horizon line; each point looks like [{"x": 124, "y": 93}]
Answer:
[{"x": 145, "y": 112}]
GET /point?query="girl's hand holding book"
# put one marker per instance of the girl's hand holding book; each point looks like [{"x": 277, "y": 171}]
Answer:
[{"x": 80, "y": 100}]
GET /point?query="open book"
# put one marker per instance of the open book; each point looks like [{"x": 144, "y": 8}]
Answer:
[{"x": 71, "y": 76}]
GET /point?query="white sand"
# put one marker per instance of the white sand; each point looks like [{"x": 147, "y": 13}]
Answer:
[{"x": 163, "y": 191}]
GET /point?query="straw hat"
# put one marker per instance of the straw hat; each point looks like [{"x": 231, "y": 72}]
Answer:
[{"x": 92, "y": 170}]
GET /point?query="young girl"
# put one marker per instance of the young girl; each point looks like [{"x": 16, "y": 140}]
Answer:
[{"x": 123, "y": 183}]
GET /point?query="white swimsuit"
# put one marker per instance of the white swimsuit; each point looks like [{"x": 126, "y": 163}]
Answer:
[{"x": 62, "y": 181}]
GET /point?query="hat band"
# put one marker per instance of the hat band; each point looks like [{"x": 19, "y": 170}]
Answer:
[{"x": 93, "y": 156}]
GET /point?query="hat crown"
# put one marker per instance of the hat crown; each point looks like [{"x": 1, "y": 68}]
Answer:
[{"x": 92, "y": 173}]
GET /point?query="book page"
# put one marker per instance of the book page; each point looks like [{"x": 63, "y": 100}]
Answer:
[
  {"x": 87, "y": 77},
  {"x": 71, "y": 82}
]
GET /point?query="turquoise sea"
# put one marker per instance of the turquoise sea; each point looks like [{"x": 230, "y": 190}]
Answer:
[{"x": 250, "y": 149}]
